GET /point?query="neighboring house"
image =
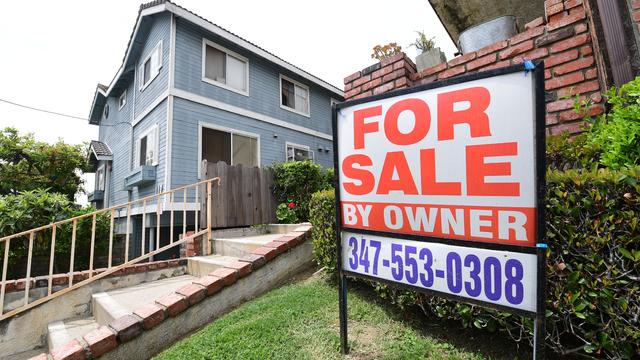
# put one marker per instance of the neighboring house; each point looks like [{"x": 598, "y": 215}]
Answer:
[{"x": 189, "y": 90}]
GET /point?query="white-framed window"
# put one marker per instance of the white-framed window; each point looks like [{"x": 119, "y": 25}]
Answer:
[
  {"x": 100, "y": 178},
  {"x": 147, "y": 147},
  {"x": 150, "y": 67},
  {"x": 294, "y": 96},
  {"x": 122, "y": 100},
  {"x": 296, "y": 152},
  {"x": 235, "y": 147},
  {"x": 224, "y": 68}
]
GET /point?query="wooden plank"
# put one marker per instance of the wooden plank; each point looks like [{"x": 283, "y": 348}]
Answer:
[
  {"x": 204, "y": 175},
  {"x": 246, "y": 191},
  {"x": 256, "y": 178}
]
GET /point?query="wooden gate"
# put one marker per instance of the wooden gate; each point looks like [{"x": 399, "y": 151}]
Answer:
[{"x": 244, "y": 196}]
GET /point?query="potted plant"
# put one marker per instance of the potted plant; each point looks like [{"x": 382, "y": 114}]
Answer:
[{"x": 430, "y": 55}]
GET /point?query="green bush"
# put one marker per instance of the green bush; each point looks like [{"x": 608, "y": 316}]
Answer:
[
  {"x": 323, "y": 237},
  {"x": 295, "y": 181},
  {"x": 31, "y": 209},
  {"x": 616, "y": 135},
  {"x": 593, "y": 268}
]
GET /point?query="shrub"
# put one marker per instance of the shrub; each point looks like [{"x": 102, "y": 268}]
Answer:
[
  {"x": 295, "y": 181},
  {"x": 593, "y": 267},
  {"x": 286, "y": 214},
  {"x": 323, "y": 237},
  {"x": 616, "y": 135}
]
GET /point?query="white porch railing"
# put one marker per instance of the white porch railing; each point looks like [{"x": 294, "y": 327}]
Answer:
[{"x": 189, "y": 199}]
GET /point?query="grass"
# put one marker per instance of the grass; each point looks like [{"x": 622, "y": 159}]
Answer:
[{"x": 300, "y": 321}]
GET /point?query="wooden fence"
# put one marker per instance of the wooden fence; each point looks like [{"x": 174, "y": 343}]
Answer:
[{"x": 244, "y": 196}]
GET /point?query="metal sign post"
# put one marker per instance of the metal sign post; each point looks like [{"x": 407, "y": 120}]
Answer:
[{"x": 440, "y": 189}]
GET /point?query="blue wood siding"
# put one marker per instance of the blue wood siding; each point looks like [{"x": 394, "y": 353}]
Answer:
[
  {"x": 264, "y": 86},
  {"x": 158, "y": 117},
  {"x": 188, "y": 115},
  {"x": 159, "y": 30}
]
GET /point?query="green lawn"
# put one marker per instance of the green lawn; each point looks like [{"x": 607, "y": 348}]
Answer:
[{"x": 300, "y": 321}]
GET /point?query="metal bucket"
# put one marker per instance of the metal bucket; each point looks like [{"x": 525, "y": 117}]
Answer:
[{"x": 487, "y": 33}]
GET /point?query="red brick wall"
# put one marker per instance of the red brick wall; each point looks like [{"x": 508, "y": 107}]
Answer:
[
  {"x": 562, "y": 39},
  {"x": 635, "y": 8}
]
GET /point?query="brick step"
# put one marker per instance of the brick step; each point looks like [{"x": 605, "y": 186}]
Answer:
[
  {"x": 59, "y": 333},
  {"x": 241, "y": 246},
  {"x": 203, "y": 265},
  {"x": 113, "y": 304}
]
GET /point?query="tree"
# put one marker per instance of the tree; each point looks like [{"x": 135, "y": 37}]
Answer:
[{"x": 27, "y": 164}]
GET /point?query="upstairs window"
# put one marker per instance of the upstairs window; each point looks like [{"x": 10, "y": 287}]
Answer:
[
  {"x": 122, "y": 100},
  {"x": 150, "y": 67},
  {"x": 147, "y": 147},
  {"x": 294, "y": 96},
  {"x": 297, "y": 152},
  {"x": 224, "y": 68}
]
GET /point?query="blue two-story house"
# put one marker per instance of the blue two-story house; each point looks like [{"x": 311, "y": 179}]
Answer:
[{"x": 189, "y": 90}]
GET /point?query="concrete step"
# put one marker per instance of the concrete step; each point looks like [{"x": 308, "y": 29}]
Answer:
[
  {"x": 241, "y": 246},
  {"x": 203, "y": 265},
  {"x": 61, "y": 332},
  {"x": 110, "y": 305}
]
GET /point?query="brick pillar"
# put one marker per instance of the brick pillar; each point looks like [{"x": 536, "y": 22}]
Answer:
[
  {"x": 389, "y": 74},
  {"x": 191, "y": 247}
]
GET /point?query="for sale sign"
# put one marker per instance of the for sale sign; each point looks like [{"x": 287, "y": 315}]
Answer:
[
  {"x": 439, "y": 188},
  {"x": 454, "y": 162}
]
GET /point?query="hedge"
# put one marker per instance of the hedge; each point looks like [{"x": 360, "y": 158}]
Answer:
[
  {"x": 593, "y": 299},
  {"x": 293, "y": 184}
]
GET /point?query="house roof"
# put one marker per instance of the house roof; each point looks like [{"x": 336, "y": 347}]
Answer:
[
  {"x": 158, "y": 6},
  {"x": 99, "y": 151}
]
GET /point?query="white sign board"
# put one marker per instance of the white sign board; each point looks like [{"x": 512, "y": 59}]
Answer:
[
  {"x": 499, "y": 277},
  {"x": 454, "y": 162}
]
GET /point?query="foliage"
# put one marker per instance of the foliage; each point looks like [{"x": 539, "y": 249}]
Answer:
[
  {"x": 381, "y": 52},
  {"x": 593, "y": 268},
  {"x": 286, "y": 214},
  {"x": 423, "y": 43},
  {"x": 617, "y": 133},
  {"x": 566, "y": 152},
  {"x": 298, "y": 321},
  {"x": 295, "y": 181},
  {"x": 31, "y": 209},
  {"x": 323, "y": 219},
  {"x": 26, "y": 164}
]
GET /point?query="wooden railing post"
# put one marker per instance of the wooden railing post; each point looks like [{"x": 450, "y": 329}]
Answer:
[
  {"x": 27, "y": 279},
  {"x": 209, "y": 224},
  {"x": 5, "y": 262},
  {"x": 93, "y": 242},
  {"x": 52, "y": 258},
  {"x": 73, "y": 251}
]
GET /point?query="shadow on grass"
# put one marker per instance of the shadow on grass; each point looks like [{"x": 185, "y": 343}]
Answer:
[{"x": 492, "y": 345}]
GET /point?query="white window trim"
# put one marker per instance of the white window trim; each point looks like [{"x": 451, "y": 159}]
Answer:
[
  {"x": 144, "y": 86},
  {"x": 302, "y": 86},
  {"x": 206, "y": 43},
  {"x": 120, "y": 103},
  {"x": 102, "y": 168},
  {"x": 297, "y": 146},
  {"x": 148, "y": 131},
  {"x": 231, "y": 131}
]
